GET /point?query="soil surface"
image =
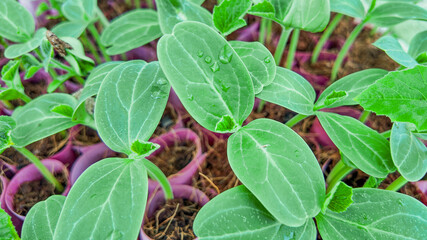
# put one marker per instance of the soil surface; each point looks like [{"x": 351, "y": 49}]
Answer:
[
  {"x": 33, "y": 192},
  {"x": 85, "y": 136},
  {"x": 172, "y": 159},
  {"x": 168, "y": 120},
  {"x": 32, "y": 89},
  {"x": 174, "y": 220}
]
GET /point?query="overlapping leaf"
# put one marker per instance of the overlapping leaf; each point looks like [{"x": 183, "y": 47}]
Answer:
[
  {"x": 353, "y": 8},
  {"x": 16, "y": 23},
  {"x": 17, "y": 50},
  {"x": 394, "y": 50},
  {"x": 389, "y": 14},
  {"x": 308, "y": 15},
  {"x": 7, "y": 230}
]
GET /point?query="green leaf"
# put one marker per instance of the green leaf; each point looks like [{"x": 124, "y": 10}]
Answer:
[
  {"x": 16, "y": 50},
  {"x": 35, "y": 120},
  {"x": 334, "y": 97},
  {"x": 291, "y": 91},
  {"x": 42, "y": 8},
  {"x": 278, "y": 167},
  {"x": 7, "y": 230},
  {"x": 389, "y": 14},
  {"x": 69, "y": 29},
  {"x": 131, "y": 30},
  {"x": 31, "y": 65},
  {"x": 400, "y": 95},
  {"x": 258, "y": 61},
  {"x": 364, "y": 147},
  {"x": 9, "y": 70},
  {"x": 7, "y": 124},
  {"x": 338, "y": 199},
  {"x": 81, "y": 64},
  {"x": 64, "y": 110},
  {"x": 130, "y": 103},
  {"x": 79, "y": 10},
  {"x": 170, "y": 15},
  {"x": 10, "y": 94},
  {"x": 353, "y": 8},
  {"x": 352, "y": 84},
  {"x": 208, "y": 88},
  {"x": 16, "y": 23},
  {"x": 395, "y": 51},
  {"x": 106, "y": 202},
  {"x": 228, "y": 16},
  {"x": 408, "y": 152},
  {"x": 143, "y": 148},
  {"x": 373, "y": 182},
  {"x": 376, "y": 214},
  {"x": 46, "y": 50},
  {"x": 40, "y": 222},
  {"x": 281, "y": 8},
  {"x": 155, "y": 173},
  {"x": 237, "y": 214},
  {"x": 308, "y": 15},
  {"x": 263, "y": 9},
  {"x": 418, "y": 44}
]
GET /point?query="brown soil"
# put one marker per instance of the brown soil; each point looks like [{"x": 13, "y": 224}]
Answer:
[
  {"x": 33, "y": 192},
  {"x": 175, "y": 158},
  {"x": 113, "y": 9},
  {"x": 168, "y": 120},
  {"x": 272, "y": 111},
  {"x": 32, "y": 89},
  {"x": 173, "y": 221},
  {"x": 42, "y": 149},
  {"x": 86, "y": 136},
  {"x": 380, "y": 123}
]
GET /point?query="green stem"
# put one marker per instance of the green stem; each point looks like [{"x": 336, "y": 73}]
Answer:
[
  {"x": 150, "y": 4},
  {"x": 104, "y": 21},
  {"x": 137, "y": 3},
  {"x": 397, "y": 184},
  {"x": 3, "y": 42},
  {"x": 89, "y": 45},
  {"x": 344, "y": 50},
  {"x": 281, "y": 45},
  {"x": 292, "y": 49},
  {"x": 25, "y": 98},
  {"x": 124, "y": 57},
  {"x": 269, "y": 30},
  {"x": 95, "y": 34},
  {"x": 386, "y": 134},
  {"x": 260, "y": 106},
  {"x": 337, "y": 174},
  {"x": 79, "y": 79},
  {"x": 364, "y": 116},
  {"x": 296, "y": 119},
  {"x": 325, "y": 36},
  {"x": 42, "y": 168},
  {"x": 262, "y": 30}
]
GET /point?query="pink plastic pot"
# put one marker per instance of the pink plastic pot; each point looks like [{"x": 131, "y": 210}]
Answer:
[
  {"x": 185, "y": 175},
  {"x": 157, "y": 198},
  {"x": 5, "y": 183},
  {"x": 31, "y": 173},
  {"x": 422, "y": 190}
]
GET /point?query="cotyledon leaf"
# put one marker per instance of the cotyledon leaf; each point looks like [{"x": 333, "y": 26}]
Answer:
[
  {"x": 16, "y": 23},
  {"x": 308, "y": 15},
  {"x": 365, "y": 148},
  {"x": 41, "y": 220},
  {"x": 394, "y": 50},
  {"x": 17, "y": 50},
  {"x": 237, "y": 214},
  {"x": 131, "y": 30},
  {"x": 291, "y": 91},
  {"x": 130, "y": 103},
  {"x": 106, "y": 202},
  {"x": 208, "y": 76},
  {"x": 418, "y": 44},
  {"x": 279, "y": 168},
  {"x": 408, "y": 152},
  {"x": 79, "y": 10},
  {"x": 376, "y": 214},
  {"x": 258, "y": 60},
  {"x": 353, "y": 8}
]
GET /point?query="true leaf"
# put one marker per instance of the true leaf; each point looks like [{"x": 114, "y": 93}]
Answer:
[
  {"x": 278, "y": 167},
  {"x": 291, "y": 91},
  {"x": 389, "y": 14},
  {"x": 7, "y": 230},
  {"x": 258, "y": 61},
  {"x": 339, "y": 198},
  {"x": 64, "y": 110},
  {"x": 31, "y": 65},
  {"x": 353, "y": 8},
  {"x": 10, "y": 94},
  {"x": 263, "y": 9},
  {"x": 40, "y": 222},
  {"x": 409, "y": 154},
  {"x": 9, "y": 70},
  {"x": 131, "y": 30},
  {"x": 228, "y": 16},
  {"x": 130, "y": 103},
  {"x": 76, "y": 57},
  {"x": 69, "y": 29},
  {"x": 280, "y": 8},
  {"x": 106, "y": 193},
  {"x": 418, "y": 44},
  {"x": 352, "y": 84},
  {"x": 16, "y": 50},
  {"x": 395, "y": 51},
  {"x": 170, "y": 15},
  {"x": 6, "y": 125},
  {"x": 208, "y": 88},
  {"x": 237, "y": 214},
  {"x": 373, "y": 182},
  {"x": 401, "y": 95},
  {"x": 364, "y": 147},
  {"x": 16, "y": 23},
  {"x": 308, "y": 15},
  {"x": 376, "y": 214},
  {"x": 79, "y": 10},
  {"x": 35, "y": 120},
  {"x": 143, "y": 148}
]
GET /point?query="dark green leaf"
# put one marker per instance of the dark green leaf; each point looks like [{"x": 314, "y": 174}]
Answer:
[
  {"x": 143, "y": 148},
  {"x": 7, "y": 230},
  {"x": 10, "y": 94},
  {"x": 373, "y": 182},
  {"x": 64, "y": 110},
  {"x": 9, "y": 70},
  {"x": 263, "y": 9},
  {"x": 228, "y": 16},
  {"x": 334, "y": 97},
  {"x": 339, "y": 198}
]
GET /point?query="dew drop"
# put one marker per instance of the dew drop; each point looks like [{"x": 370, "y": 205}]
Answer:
[
  {"x": 267, "y": 59},
  {"x": 208, "y": 59},
  {"x": 290, "y": 237},
  {"x": 215, "y": 67},
  {"x": 226, "y": 54},
  {"x": 115, "y": 235},
  {"x": 190, "y": 97},
  {"x": 200, "y": 53}
]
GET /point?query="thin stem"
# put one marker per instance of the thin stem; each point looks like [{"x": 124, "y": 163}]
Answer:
[
  {"x": 3, "y": 42},
  {"x": 124, "y": 57},
  {"x": 104, "y": 21},
  {"x": 25, "y": 98},
  {"x": 386, "y": 134},
  {"x": 150, "y": 4},
  {"x": 397, "y": 184},
  {"x": 296, "y": 119},
  {"x": 89, "y": 44},
  {"x": 337, "y": 174},
  {"x": 364, "y": 116},
  {"x": 260, "y": 106},
  {"x": 269, "y": 30},
  {"x": 262, "y": 30},
  {"x": 325, "y": 36},
  {"x": 42, "y": 168},
  {"x": 292, "y": 49},
  {"x": 344, "y": 50},
  {"x": 94, "y": 32},
  {"x": 137, "y": 3},
  {"x": 281, "y": 45},
  {"x": 79, "y": 79}
]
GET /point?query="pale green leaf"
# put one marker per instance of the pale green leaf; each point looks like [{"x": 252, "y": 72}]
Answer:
[
  {"x": 69, "y": 29},
  {"x": 106, "y": 202},
  {"x": 130, "y": 103},
  {"x": 409, "y": 154},
  {"x": 131, "y": 30},
  {"x": 418, "y": 44},
  {"x": 394, "y": 50},
  {"x": 79, "y": 10},
  {"x": 353, "y": 8},
  {"x": 389, "y": 14},
  {"x": 16, "y": 50},
  {"x": 208, "y": 87},
  {"x": 308, "y": 15},
  {"x": 258, "y": 61},
  {"x": 363, "y": 146},
  {"x": 401, "y": 95},
  {"x": 16, "y": 23},
  {"x": 40, "y": 222},
  {"x": 279, "y": 168},
  {"x": 339, "y": 198},
  {"x": 237, "y": 214},
  {"x": 7, "y": 230},
  {"x": 376, "y": 214},
  {"x": 228, "y": 16},
  {"x": 290, "y": 90}
]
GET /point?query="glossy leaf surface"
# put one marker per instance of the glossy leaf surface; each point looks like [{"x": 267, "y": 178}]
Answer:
[
  {"x": 16, "y": 23},
  {"x": 392, "y": 47}
]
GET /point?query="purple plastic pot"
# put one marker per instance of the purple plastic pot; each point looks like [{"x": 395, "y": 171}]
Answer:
[
  {"x": 15, "y": 220},
  {"x": 31, "y": 173},
  {"x": 185, "y": 175},
  {"x": 422, "y": 190},
  {"x": 157, "y": 198}
]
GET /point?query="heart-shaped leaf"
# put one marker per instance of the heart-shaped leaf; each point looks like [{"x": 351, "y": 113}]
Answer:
[{"x": 16, "y": 23}]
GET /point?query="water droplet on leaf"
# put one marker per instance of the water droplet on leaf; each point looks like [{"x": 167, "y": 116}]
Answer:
[
  {"x": 162, "y": 81},
  {"x": 208, "y": 59},
  {"x": 215, "y": 67},
  {"x": 226, "y": 54},
  {"x": 200, "y": 53},
  {"x": 267, "y": 59},
  {"x": 190, "y": 97}
]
